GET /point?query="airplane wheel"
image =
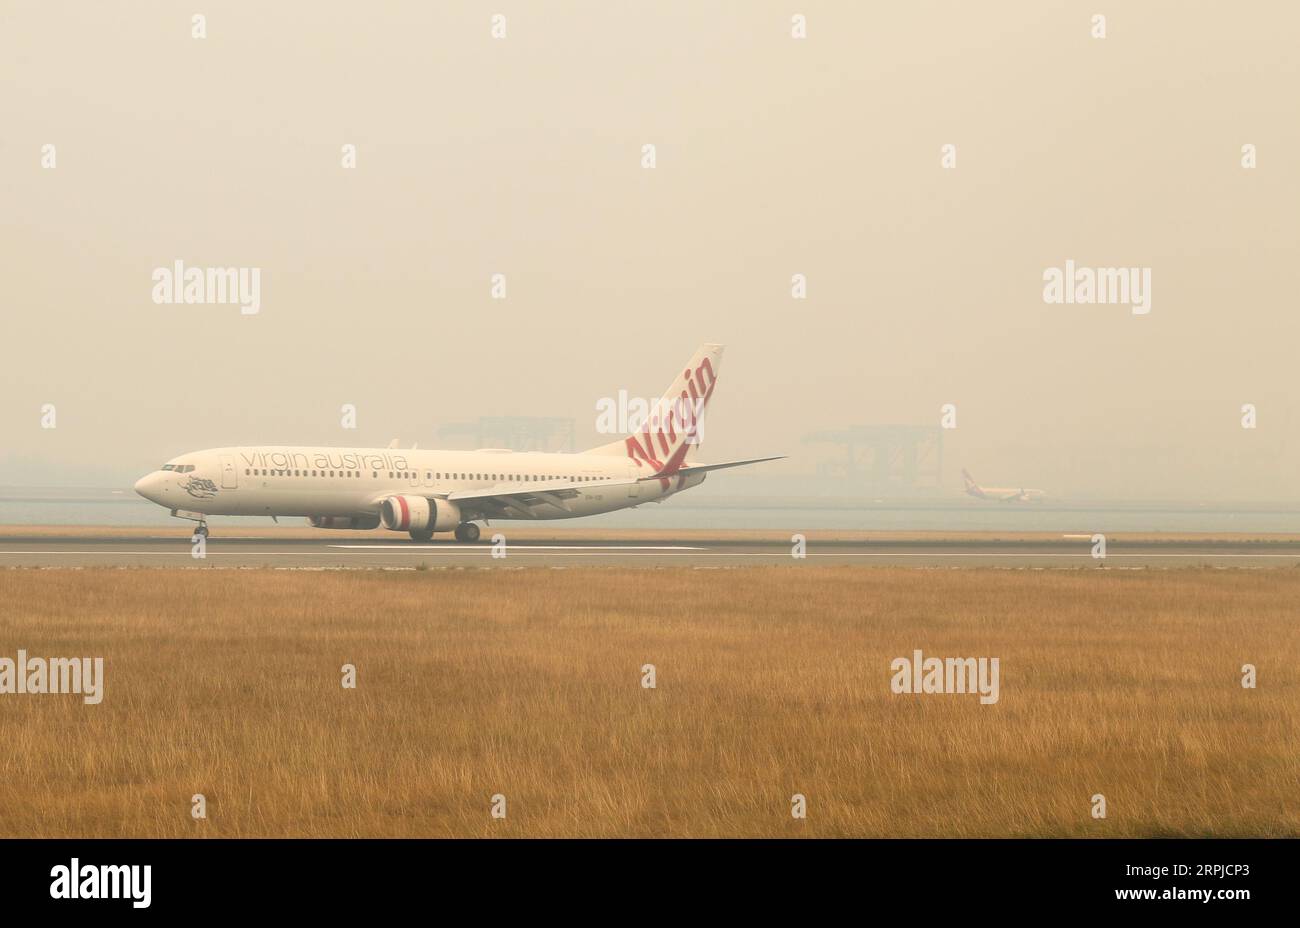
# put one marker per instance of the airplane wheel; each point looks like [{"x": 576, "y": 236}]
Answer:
[
  {"x": 426, "y": 535},
  {"x": 467, "y": 531},
  {"x": 202, "y": 530}
]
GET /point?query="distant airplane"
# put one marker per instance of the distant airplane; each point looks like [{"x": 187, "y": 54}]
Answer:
[
  {"x": 422, "y": 492},
  {"x": 1001, "y": 494}
]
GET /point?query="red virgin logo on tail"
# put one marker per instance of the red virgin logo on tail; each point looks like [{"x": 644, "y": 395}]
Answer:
[{"x": 669, "y": 433}]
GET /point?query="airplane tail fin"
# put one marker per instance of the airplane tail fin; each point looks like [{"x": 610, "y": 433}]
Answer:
[
  {"x": 675, "y": 426},
  {"x": 972, "y": 487}
]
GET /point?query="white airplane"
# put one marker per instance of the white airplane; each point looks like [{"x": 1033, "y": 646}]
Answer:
[
  {"x": 422, "y": 492},
  {"x": 1001, "y": 494}
]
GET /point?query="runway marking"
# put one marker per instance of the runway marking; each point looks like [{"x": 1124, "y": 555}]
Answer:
[{"x": 520, "y": 547}]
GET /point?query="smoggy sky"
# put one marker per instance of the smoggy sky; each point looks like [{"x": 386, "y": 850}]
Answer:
[{"x": 774, "y": 156}]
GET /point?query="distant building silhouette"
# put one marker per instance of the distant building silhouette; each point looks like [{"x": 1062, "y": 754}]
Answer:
[{"x": 884, "y": 456}]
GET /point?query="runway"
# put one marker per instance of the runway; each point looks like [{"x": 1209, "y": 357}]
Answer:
[{"x": 236, "y": 551}]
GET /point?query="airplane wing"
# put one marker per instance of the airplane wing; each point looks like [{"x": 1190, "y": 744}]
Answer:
[{"x": 528, "y": 501}]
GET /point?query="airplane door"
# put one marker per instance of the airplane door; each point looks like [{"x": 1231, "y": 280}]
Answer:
[{"x": 229, "y": 476}]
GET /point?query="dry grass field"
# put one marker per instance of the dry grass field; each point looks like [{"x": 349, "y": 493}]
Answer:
[{"x": 770, "y": 682}]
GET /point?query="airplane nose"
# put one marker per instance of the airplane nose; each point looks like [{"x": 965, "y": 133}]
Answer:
[{"x": 147, "y": 486}]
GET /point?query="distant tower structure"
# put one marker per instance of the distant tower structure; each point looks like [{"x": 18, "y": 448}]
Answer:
[
  {"x": 885, "y": 457},
  {"x": 518, "y": 433}
]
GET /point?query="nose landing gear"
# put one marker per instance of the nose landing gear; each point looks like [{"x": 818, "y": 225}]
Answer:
[{"x": 201, "y": 528}]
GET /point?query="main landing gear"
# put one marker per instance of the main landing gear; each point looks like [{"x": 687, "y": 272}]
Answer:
[{"x": 467, "y": 531}]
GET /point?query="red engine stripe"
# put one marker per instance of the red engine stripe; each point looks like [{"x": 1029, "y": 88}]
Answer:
[{"x": 405, "y": 522}]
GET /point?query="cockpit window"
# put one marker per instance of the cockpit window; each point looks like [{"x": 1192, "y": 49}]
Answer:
[{"x": 179, "y": 468}]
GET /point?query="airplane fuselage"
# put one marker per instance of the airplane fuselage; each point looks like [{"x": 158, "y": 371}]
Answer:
[
  {"x": 1008, "y": 494},
  {"x": 353, "y": 482}
]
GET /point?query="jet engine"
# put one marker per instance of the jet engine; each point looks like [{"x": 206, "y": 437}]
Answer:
[{"x": 419, "y": 514}]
